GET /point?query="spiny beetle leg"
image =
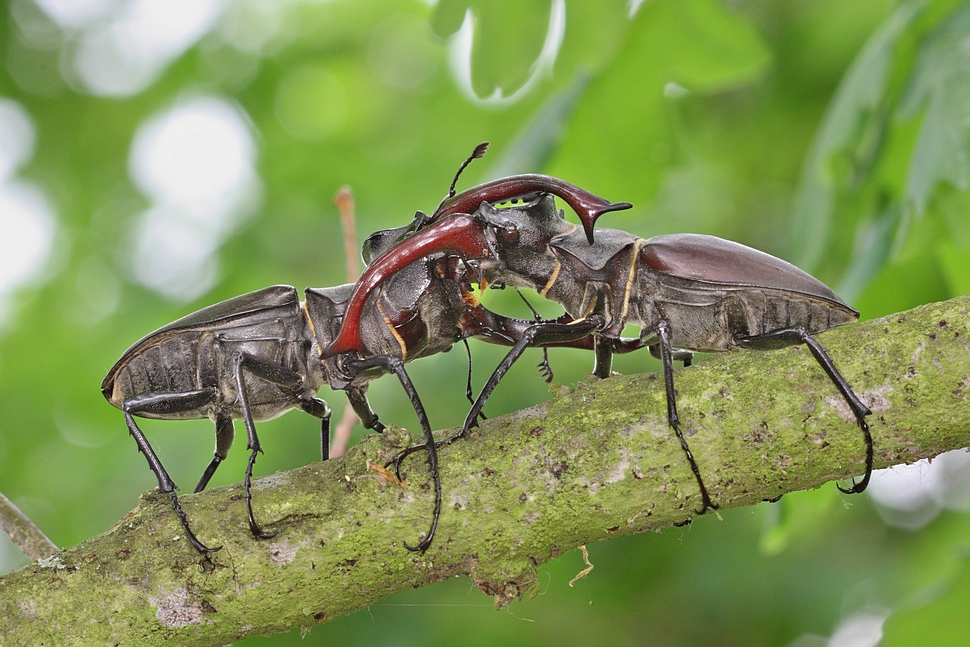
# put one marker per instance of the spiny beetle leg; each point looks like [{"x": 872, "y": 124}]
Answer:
[
  {"x": 793, "y": 336},
  {"x": 224, "y": 438},
  {"x": 161, "y": 403},
  {"x": 396, "y": 365},
  {"x": 666, "y": 356},
  {"x": 258, "y": 367}
]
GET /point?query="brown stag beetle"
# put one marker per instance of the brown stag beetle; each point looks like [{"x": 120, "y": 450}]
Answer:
[
  {"x": 687, "y": 292},
  {"x": 259, "y": 355}
]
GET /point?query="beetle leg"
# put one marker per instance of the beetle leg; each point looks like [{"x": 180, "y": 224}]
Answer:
[
  {"x": 319, "y": 409},
  {"x": 603, "y": 353},
  {"x": 224, "y": 437},
  {"x": 363, "y": 409},
  {"x": 468, "y": 382},
  {"x": 535, "y": 335},
  {"x": 545, "y": 370},
  {"x": 273, "y": 373},
  {"x": 678, "y": 354},
  {"x": 667, "y": 357},
  {"x": 167, "y": 403},
  {"x": 396, "y": 365},
  {"x": 793, "y": 336}
]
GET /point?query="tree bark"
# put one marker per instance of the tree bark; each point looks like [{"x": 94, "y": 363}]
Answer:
[{"x": 597, "y": 463}]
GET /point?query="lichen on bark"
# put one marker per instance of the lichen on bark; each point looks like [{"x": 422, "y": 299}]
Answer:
[{"x": 597, "y": 463}]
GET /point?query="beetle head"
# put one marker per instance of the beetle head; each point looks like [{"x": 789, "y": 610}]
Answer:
[
  {"x": 460, "y": 235},
  {"x": 381, "y": 241},
  {"x": 520, "y": 237}
]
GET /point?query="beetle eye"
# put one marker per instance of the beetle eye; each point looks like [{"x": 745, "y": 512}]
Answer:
[{"x": 509, "y": 232}]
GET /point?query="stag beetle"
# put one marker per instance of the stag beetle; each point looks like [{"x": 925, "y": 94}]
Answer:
[{"x": 687, "y": 292}]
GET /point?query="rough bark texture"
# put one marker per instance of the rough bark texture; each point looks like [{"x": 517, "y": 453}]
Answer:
[{"x": 598, "y": 463}]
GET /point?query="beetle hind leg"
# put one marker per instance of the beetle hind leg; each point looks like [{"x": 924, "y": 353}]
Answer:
[
  {"x": 792, "y": 336},
  {"x": 160, "y": 403}
]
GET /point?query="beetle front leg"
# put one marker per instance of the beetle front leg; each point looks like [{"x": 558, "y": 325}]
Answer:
[
  {"x": 535, "y": 335},
  {"x": 667, "y": 357},
  {"x": 167, "y": 403},
  {"x": 319, "y": 409},
  {"x": 396, "y": 365},
  {"x": 368, "y": 418},
  {"x": 793, "y": 336}
]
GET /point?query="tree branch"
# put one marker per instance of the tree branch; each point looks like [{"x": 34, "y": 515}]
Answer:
[
  {"x": 23, "y": 532},
  {"x": 598, "y": 463}
]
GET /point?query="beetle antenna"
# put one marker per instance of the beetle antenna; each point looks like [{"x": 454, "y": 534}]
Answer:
[{"x": 478, "y": 153}]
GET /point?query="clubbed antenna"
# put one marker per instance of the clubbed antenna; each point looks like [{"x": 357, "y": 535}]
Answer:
[{"x": 478, "y": 153}]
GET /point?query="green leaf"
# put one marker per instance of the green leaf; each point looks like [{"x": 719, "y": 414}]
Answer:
[
  {"x": 507, "y": 38},
  {"x": 533, "y": 147},
  {"x": 623, "y": 122},
  {"x": 795, "y": 517},
  {"x": 851, "y": 126},
  {"x": 941, "y": 86},
  {"x": 941, "y": 621}
]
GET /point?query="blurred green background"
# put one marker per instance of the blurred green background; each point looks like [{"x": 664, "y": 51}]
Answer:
[{"x": 156, "y": 157}]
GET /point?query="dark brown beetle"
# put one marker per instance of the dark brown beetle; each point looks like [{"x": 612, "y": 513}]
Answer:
[{"x": 686, "y": 292}]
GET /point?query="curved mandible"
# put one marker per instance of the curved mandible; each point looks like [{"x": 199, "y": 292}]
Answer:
[
  {"x": 587, "y": 206},
  {"x": 460, "y": 234}
]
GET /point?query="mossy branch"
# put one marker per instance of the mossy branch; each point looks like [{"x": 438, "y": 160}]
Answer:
[{"x": 600, "y": 462}]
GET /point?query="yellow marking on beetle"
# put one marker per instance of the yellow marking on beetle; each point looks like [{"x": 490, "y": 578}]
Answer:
[
  {"x": 574, "y": 227},
  {"x": 552, "y": 279},
  {"x": 469, "y": 298},
  {"x": 591, "y": 304},
  {"x": 313, "y": 329},
  {"x": 390, "y": 326},
  {"x": 632, "y": 275}
]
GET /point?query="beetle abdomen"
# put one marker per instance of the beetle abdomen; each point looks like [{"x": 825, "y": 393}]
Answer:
[
  {"x": 708, "y": 259},
  {"x": 712, "y": 318},
  {"x": 719, "y": 292},
  {"x": 168, "y": 366}
]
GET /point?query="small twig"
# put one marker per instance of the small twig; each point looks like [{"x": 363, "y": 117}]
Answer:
[
  {"x": 28, "y": 537},
  {"x": 589, "y": 567},
  {"x": 344, "y": 201},
  {"x": 385, "y": 474}
]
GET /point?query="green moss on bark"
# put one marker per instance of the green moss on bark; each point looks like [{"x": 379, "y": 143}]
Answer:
[{"x": 597, "y": 463}]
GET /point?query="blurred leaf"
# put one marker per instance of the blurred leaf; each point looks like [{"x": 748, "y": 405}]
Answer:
[
  {"x": 852, "y": 128},
  {"x": 532, "y": 148},
  {"x": 941, "y": 86},
  {"x": 872, "y": 250},
  {"x": 795, "y": 517},
  {"x": 941, "y": 620},
  {"x": 507, "y": 38},
  {"x": 955, "y": 265},
  {"x": 674, "y": 47}
]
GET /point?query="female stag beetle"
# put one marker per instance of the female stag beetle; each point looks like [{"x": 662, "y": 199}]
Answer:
[{"x": 686, "y": 292}]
